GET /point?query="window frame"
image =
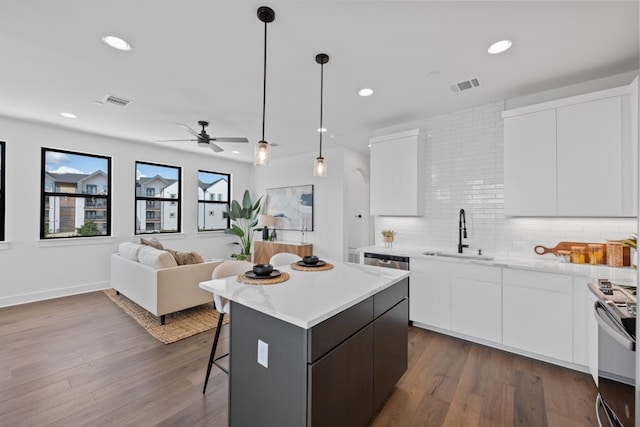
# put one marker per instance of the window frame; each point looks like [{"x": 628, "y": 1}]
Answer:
[
  {"x": 44, "y": 194},
  {"x": 206, "y": 205},
  {"x": 3, "y": 169},
  {"x": 154, "y": 198}
]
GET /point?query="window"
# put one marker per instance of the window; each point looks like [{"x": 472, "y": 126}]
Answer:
[
  {"x": 76, "y": 195},
  {"x": 157, "y": 198},
  {"x": 213, "y": 200},
  {"x": 2, "y": 143}
]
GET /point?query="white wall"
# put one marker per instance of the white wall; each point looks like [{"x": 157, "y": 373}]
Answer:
[
  {"x": 328, "y": 237},
  {"x": 464, "y": 164},
  {"x": 31, "y": 269}
]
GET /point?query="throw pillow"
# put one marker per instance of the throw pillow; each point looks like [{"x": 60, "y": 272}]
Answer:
[
  {"x": 153, "y": 242},
  {"x": 184, "y": 258},
  {"x": 129, "y": 250},
  {"x": 155, "y": 258}
]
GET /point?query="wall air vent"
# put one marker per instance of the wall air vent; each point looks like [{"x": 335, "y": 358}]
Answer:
[
  {"x": 116, "y": 100},
  {"x": 467, "y": 84}
]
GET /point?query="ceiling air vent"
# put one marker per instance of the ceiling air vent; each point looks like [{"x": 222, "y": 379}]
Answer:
[
  {"x": 467, "y": 84},
  {"x": 116, "y": 100}
]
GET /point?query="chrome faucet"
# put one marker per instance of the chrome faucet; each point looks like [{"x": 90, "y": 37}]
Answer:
[{"x": 462, "y": 230}]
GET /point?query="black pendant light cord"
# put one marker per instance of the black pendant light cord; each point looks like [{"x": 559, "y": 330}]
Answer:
[
  {"x": 264, "y": 80},
  {"x": 321, "y": 93}
]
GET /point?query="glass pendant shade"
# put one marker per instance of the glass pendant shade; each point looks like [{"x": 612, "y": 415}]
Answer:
[
  {"x": 320, "y": 167},
  {"x": 261, "y": 154}
]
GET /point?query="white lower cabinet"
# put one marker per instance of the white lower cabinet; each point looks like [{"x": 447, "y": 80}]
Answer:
[
  {"x": 537, "y": 313},
  {"x": 458, "y": 297},
  {"x": 581, "y": 315},
  {"x": 476, "y": 302},
  {"x": 430, "y": 293}
]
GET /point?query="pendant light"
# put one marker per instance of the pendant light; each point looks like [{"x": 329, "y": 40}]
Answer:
[
  {"x": 320, "y": 165},
  {"x": 261, "y": 153}
]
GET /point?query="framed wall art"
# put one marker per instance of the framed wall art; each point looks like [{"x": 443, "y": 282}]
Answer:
[{"x": 291, "y": 207}]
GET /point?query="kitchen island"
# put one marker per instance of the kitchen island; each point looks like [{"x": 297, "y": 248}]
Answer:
[{"x": 322, "y": 348}]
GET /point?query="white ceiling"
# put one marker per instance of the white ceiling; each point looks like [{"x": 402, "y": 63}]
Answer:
[{"x": 202, "y": 60}]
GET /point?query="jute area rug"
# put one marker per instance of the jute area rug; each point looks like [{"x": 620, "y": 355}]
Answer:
[{"x": 180, "y": 325}]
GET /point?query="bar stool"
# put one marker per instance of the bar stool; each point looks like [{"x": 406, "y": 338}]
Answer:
[{"x": 226, "y": 269}]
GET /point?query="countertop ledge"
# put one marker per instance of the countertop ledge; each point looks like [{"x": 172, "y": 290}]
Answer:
[
  {"x": 308, "y": 298},
  {"x": 545, "y": 263}
]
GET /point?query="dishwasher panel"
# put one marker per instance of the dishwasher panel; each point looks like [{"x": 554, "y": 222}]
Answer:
[{"x": 385, "y": 260}]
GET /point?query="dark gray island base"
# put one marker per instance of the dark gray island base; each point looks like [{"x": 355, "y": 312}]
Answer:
[{"x": 337, "y": 373}]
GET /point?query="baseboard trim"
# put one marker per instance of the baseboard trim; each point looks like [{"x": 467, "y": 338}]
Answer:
[
  {"x": 53, "y": 293},
  {"x": 564, "y": 364}
]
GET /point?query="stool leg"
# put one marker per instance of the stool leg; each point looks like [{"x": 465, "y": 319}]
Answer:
[{"x": 213, "y": 351}]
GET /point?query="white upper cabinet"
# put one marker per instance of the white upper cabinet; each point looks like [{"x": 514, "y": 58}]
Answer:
[
  {"x": 590, "y": 158},
  {"x": 530, "y": 164},
  {"x": 396, "y": 178},
  {"x": 573, "y": 157}
]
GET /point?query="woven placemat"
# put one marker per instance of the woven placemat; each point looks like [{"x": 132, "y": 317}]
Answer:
[
  {"x": 327, "y": 266},
  {"x": 248, "y": 281}
]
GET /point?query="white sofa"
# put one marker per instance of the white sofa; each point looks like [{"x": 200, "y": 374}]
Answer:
[{"x": 152, "y": 279}]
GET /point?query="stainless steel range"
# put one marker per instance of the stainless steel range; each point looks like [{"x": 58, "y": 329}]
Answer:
[{"x": 615, "y": 311}]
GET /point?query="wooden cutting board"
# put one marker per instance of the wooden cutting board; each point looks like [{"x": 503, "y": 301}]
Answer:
[{"x": 566, "y": 246}]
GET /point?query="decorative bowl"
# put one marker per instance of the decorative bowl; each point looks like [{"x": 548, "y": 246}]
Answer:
[
  {"x": 262, "y": 269},
  {"x": 310, "y": 259}
]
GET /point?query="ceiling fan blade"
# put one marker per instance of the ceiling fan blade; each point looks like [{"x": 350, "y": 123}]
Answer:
[
  {"x": 215, "y": 148},
  {"x": 188, "y": 129},
  {"x": 174, "y": 140},
  {"x": 229, "y": 139}
]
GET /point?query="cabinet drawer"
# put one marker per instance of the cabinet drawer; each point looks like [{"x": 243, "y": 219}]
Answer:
[
  {"x": 421, "y": 265},
  {"x": 328, "y": 334},
  {"x": 386, "y": 299},
  {"x": 482, "y": 273},
  {"x": 559, "y": 283}
]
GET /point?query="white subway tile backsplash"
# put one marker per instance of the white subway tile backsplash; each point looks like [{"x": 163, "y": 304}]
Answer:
[{"x": 463, "y": 164}]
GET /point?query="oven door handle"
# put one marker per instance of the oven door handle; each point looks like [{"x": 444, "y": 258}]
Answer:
[{"x": 607, "y": 324}]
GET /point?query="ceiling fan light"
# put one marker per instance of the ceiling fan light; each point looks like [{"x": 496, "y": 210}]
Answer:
[
  {"x": 261, "y": 154},
  {"x": 203, "y": 143},
  {"x": 320, "y": 167}
]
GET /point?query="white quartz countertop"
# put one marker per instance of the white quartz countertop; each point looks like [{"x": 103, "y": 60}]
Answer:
[
  {"x": 547, "y": 263},
  {"x": 309, "y": 297}
]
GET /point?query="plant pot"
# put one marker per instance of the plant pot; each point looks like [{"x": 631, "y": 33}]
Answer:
[{"x": 388, "y": 241}]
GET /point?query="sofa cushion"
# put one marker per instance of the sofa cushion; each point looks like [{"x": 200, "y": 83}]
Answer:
[
  {"x": 156, "y": 258},
  {"x": 129, "y": 250},
  {"x": 184, "y": 258},
  {"x": 153, "y": 242}
]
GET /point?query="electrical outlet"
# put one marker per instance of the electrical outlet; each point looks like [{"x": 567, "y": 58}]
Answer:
[{"x": 263, "y": 353}]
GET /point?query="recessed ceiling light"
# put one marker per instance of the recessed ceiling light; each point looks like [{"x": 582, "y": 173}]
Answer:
[
  {"x": 499, "y": 47},
  {"x": 69, "y": 115},
  {"x": 365, "y": 92},
  {"x": 117, "y": 43},
  {"x": 235, "y": 152},
  {"x": 322, "y": 130}
]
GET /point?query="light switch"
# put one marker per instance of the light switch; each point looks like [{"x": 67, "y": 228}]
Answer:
[{"x": 263, "y": 353}]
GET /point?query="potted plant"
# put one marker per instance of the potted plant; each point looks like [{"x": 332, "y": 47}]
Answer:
[
  {"x": 387, "y": 237},
  {"x": 245, "y": 218}
]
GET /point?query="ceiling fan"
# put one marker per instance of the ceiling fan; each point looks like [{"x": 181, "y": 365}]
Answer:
[{"x": 203, "y": 138}]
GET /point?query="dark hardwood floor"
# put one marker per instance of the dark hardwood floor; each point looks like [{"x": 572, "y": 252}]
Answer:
[{"x": 81, "y": 361}]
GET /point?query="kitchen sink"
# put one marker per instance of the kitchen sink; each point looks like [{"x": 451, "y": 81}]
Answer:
[{"x": 459, "y": 256}]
